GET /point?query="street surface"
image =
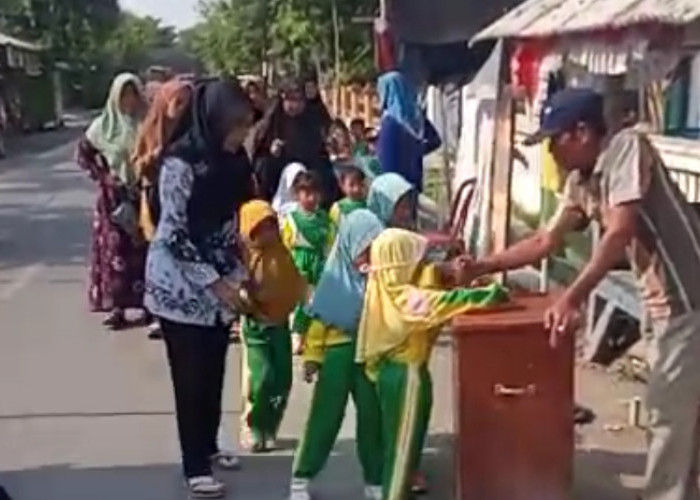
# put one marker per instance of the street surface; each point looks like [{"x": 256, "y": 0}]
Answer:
[{"x": 88, "y": 415}]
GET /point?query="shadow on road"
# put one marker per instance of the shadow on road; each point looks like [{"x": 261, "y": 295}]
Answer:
[
  {"x": 40, "y": 142},
  {"x": 45, "y": 213},
  {"x": 267, "y": 477}
]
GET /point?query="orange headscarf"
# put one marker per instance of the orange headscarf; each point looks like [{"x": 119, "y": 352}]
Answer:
[
  {"x": 154, "y": 134},
  {"x": 278, "y": 287},
  {"x": 157, "y": 127}
]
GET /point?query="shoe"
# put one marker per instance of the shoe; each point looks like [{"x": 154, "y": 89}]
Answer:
[
  {"x": 419, "y": 485},
  {"x": 299, "y": 489},
  {"x": 206, "y": 487},
  {"x": 271, "y": 444},
  {"x": 226, "y": 460},
  {"x": 373, "y": 492}
]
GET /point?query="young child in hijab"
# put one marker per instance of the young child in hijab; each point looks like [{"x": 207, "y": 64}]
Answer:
[
  {"x": 404, "y": 310},
  {"x": 329, "y": 356},
  {"x": 393, "y": 200},
  {"x": 284, "y": 200},
  {"x": 308, "y": 233},
  {"x": 276, "y": 288}
]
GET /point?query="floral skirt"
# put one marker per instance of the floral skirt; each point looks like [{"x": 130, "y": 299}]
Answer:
[{"x": 117, "y": 264}]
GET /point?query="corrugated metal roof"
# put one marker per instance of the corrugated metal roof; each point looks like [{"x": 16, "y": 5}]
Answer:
[
  {"x": 18, "y": 44},
  {"x": 543, "y": 18}
]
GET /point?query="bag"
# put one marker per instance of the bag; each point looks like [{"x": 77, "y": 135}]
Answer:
[
  {"x": 125, "y": 214},
  {"x": 126, "y": 217}
]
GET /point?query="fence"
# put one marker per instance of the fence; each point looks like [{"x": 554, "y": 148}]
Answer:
[{"x": 353, "y": 101}]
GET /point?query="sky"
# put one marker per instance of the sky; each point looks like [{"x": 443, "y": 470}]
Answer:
[{"x": 178, "y": 13}]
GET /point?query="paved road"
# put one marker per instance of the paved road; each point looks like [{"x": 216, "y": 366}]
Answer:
[{"x": 87, "y": 415}]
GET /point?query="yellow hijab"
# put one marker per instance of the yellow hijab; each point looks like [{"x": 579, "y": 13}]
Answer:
[
  {"x": 277, "y": 286},
  {"x": 395, "y": 308}
]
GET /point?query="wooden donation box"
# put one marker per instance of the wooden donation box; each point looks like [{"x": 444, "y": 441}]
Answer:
[{"x": 514, "y": 405}]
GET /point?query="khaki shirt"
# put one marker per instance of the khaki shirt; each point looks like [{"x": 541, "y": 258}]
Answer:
[{"x": 665, "y": 252}]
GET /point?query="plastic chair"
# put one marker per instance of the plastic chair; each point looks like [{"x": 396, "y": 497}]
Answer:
[{"x": 449, "y": 241}]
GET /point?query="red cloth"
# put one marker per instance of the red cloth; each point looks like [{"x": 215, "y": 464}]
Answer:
[
  {"x": 384, "y": 47},
  {"x": 525, "y": 67}
]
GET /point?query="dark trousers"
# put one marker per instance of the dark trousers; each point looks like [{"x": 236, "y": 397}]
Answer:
[
  {"x": 197, "y": 358},
  {"x": 4, "y": 495}
]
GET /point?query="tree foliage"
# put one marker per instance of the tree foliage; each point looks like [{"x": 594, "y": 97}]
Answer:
[
  {"x": 135, "y": 36},
  {"x": 238, "y": 36},
  {"x": 72, "y": 30}
]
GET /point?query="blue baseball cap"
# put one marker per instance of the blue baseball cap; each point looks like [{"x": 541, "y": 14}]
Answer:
[{"x": 566, "y": 109}]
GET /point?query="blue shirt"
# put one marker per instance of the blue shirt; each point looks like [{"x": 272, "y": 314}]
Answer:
[
  {"x": 178, "y": 273},
  {"x": 401, "y": 152}
]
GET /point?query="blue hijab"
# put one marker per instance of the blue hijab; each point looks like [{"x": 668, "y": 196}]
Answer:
[
  {"x": 384, "y": 193},
  {"x": 398, "y": 99},
  {"x": 339, "y": 296}
]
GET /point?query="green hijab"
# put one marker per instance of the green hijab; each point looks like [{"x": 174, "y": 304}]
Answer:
[{"x": 113, "y": 133}]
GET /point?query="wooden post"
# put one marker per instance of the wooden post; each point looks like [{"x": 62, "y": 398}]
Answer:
[
  {"x": 502, "y": 162},
  {"x": 354, "y": 103},
  {"x": 368, "y": 103}
]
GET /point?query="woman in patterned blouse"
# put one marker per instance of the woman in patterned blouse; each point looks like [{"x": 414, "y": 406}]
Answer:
[{"x": 194, "y": 275}]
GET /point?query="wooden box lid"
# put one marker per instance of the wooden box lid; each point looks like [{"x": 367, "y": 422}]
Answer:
[{"x": 525, "y": 311}]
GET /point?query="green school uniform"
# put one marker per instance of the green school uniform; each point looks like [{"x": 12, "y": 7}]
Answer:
[{"x": 308, "y": 237}]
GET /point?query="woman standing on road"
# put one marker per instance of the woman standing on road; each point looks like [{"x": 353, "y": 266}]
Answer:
[
  {"x": 158, "y": 128},
  {"x": 292, "y": 131},
  {"x": 118, "y": 249},
  {"x": 194, "y": 273}
]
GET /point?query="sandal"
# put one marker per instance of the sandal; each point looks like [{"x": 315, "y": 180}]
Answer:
[
  {"x": 154, "y": 331},
  {"x": 583, "y": 415},
  {"x": 206, "y": 487},
  {"x": 116, "y": 320},
  {"x": 226, "y": 460},
  {"x": 258, "y": 448}
]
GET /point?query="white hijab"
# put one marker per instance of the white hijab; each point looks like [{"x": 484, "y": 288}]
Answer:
[{"x": 284, "y": 201}]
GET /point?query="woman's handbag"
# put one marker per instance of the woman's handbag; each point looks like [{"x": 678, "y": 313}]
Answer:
[{"x": 126, "y": 214}]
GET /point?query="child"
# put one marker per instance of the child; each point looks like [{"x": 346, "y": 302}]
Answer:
[
  {"x": 330, "y": 355},
  {"x": 284, "y": 200},
  {"x": 393, "y": 200},
  {"x": 308, "y": 233},
  {"x": 403, "y": 312},
  {"x": 359, "y": 137},
  {"x": 339, "y": 143},
  {"x": 266, "y": 336},
  {"x": 352, "y": 180}
]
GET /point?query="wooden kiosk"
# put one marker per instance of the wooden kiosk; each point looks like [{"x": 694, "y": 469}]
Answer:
[{"x": 514, "y": 405}]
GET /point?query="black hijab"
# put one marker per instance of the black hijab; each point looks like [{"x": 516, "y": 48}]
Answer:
[
  {"x": 223, "y": 180},
  {"x": 316, "y": 104},
  {"x": 303, "y": 135}
]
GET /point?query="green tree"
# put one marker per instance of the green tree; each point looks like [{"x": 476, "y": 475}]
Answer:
[
  {"x": 237, "y": 36},
  {"x": 72, "y": 30},
  {"x": 135, "y": 36}
]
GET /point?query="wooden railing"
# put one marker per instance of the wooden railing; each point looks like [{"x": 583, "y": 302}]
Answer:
[
  {"x": 353, "y": 101},
  {"x": 682, "y": 158}
]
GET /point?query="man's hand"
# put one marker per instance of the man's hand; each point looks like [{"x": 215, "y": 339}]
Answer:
[
  {"x": 561, "y": 319},
  {"x": 311, "y": 369}
]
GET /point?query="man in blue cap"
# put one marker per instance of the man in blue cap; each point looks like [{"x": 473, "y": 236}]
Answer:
[{"x": 620, "y": 180}]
